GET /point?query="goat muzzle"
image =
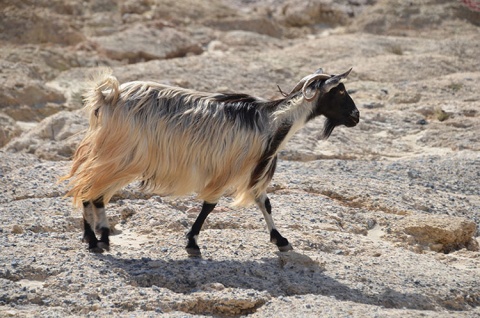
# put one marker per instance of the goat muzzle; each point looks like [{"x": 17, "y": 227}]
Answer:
[{"x": 353, "y": 119}]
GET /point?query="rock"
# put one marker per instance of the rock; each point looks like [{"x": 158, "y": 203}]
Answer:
[
  {"x": 142, "y": 43},
  {"x": 8, "y": 129},
  {"x": 192, "y": 11},
  {"x": 17, "y": 229},
  {"x": 54, "y": 138},
  {"x": 24, "y": 25},
  {"x": 316, "y": 12},
  {"x": 246, "y": 40},
  {"x": 400, "y": 18},
  {"x": 23, "y": 95},
  {"x": 260, "y": 25},
  {"x": 439, "y": 233}
]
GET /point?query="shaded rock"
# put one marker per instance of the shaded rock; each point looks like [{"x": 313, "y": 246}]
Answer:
[
  {"x": 23, "y": 95},
  {"x": 193, "y": 10},
  {"x": 309, "y": 13},
  {"x": 135, "y": 7},
  {"x": 143, "y": 43},
  {"x": 470, "y": 11},
  {"x": 8, "y": 129}
]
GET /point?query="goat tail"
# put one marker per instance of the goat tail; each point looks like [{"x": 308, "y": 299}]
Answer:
[
  {"x": 101, "y": 97},
  {"x": 103, "y": 90}
]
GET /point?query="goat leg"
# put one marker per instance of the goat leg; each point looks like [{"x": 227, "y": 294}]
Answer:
[{"x": 192, "y": 246}]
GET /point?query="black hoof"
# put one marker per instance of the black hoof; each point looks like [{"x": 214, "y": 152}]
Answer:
[
  {"x": 193, "y": 251},
  {"x": 192, "y": 248},
  {"x": 94, "y": 245},
  {"x": 96, "y": 250},
  {"x": 281, "y": 242},
  {"x": 285, "y": 248},
  {"x": 103, "y": 246}
]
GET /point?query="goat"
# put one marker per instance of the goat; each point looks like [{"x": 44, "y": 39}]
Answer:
[{"x": 178, "y": 141}]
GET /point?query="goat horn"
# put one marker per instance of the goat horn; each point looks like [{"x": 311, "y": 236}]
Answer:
[
  {"x": 335, "y": 80},
  {"x": 312, "y": 78},
  {"x": 307, "y": 80},
  {"x": 340, "y": 77}
]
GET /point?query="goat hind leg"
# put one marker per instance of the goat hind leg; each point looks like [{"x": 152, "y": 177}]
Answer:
[{"x": 282, "y": 243}]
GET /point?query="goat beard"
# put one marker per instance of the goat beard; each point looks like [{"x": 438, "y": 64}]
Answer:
[{"x": 328, "y": 128}]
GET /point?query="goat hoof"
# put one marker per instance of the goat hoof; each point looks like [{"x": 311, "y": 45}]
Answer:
[
  {"x": 104, "y": 246},
  {"x": 193, "y": 251},
  {"x": 96, "y": 249},
  {"x": 285, "y": 248}
]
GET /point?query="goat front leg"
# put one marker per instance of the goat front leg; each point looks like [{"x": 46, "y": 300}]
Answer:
[
  {"x": 192, "y": 246},
  {"x": 89, "y": 222},
  {"x": 282, "y": 243},
  {"x": 101, "y": 224},
  {"x": 94, "y": 217}
]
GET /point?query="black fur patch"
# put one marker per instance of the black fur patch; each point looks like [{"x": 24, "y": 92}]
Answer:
[
  {"x": 98, "y": 203},
  {"x": 241, "y": 107},
  {"x": 245, "y": 108},
  {"x": 192, "y": 248},
  {"x": 105, "y": 235},
  {"x": 235, "y": 98},
  {"x": 89, "y": 236},
  {"x": 268, "y": 206},
  {"x": 328, "y": 128},
  {"x": 266, "y": 159},
  {"x": 277, "y": 238}
]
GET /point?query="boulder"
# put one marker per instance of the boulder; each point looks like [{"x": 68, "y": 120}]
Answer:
[
  {"x": 26, "y": 25},
  {"x": 398, "y": 17},
  {"x": 438, "y": 233},
  {"x": 54, "y": 138},
  {"x": 142, "y": 43},
  {"x": 316, "y": 12},
  {"x": 24, "y": 96}
]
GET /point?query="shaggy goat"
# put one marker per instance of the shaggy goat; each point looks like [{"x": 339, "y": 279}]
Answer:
[{"x": 178, "y": 141}]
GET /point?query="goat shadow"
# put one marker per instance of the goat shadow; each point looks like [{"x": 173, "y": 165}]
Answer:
[{"x": 279, "y": 276}]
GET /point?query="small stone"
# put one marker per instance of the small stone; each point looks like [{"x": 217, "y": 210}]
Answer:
[
  {"x": 371, "y": 223},
  {"x": 436, "y": 247},
  {"x": 373, "y": 105},
  {"x": 17, "y": 229},
  {"x": 422, "y": 122}
]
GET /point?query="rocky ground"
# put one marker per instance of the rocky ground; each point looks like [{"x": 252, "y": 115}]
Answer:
[{"x": 384, "y": 217}]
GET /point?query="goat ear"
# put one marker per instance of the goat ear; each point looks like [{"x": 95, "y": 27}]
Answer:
[{"x": 334, "y": 81}]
